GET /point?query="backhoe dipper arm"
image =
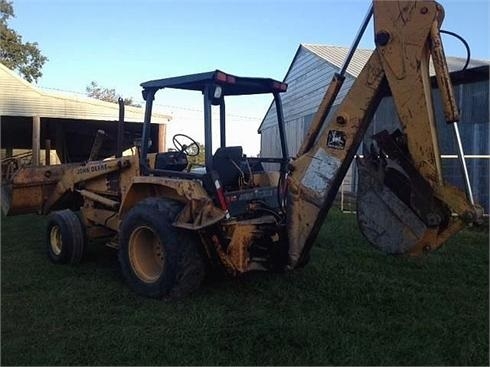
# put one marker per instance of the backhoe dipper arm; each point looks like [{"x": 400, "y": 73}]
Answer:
[{"x": 404, "y": 34}]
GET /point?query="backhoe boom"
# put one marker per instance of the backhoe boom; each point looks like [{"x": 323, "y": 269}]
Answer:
[{"x": 410, "y": 220}]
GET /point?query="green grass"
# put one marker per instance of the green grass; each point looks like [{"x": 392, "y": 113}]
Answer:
[{"x": 350, "y": 306}]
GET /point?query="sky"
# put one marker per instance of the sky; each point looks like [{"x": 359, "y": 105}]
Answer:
[{"x": 120, "y": 44}]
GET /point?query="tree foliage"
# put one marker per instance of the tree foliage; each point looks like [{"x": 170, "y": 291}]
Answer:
[
  {"x": 26, "y": 58},
  {"x": 198, "y": 160},
  {"x": 94, "y": 90}
]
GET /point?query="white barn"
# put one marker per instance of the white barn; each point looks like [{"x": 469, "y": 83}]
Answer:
[{"x": 312, "y": 69}]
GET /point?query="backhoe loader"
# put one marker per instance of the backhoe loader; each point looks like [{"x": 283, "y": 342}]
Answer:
[{"x": 170, "y": 222}]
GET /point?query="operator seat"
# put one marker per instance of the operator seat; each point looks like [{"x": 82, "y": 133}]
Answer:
[{"x": 227, "y": 162}]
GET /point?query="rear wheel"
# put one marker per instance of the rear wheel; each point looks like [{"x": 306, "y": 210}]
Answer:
[
  {"x": 65, "y": 237},
  {"x": 158, "y": 260}
]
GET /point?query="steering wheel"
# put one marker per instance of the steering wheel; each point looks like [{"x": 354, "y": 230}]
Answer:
[{"x": 190, "y": 149}]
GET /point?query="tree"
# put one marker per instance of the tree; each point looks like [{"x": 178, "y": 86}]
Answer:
[
  {"x": 105, "y": 94},
  {"x": 26, "y": 58},
  {"x": 198, "y": 160}
]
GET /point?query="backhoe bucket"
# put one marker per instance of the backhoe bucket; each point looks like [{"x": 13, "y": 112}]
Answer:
[
  {"x": 396, "y": 208},
  {"x": 384, "y": 219}
]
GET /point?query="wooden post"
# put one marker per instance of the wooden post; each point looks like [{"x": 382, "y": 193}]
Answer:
[
  {"x": 36, "y": 140},
  {"x": 162, "y": 136},
  {"x": 47, "y": 152},
  {"x": 59, "y": 143}
]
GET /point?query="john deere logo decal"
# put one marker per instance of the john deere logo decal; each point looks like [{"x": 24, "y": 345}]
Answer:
[{"x": 336, "y": 139}]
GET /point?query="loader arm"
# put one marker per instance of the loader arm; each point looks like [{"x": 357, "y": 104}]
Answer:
[{"x": 406, "y": 34}]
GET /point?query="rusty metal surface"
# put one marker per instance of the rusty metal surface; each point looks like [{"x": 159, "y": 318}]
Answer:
[
  {"x": 100, "y": 217},
  {"x": 84, "y": 172},
  {"x": 28, "y": 188},
  {"x": 449, "y": 105},
  {"x": 241, "y": 240},
  {"x": 12, "y": 164},
  {"x": 199, "y": 211},
  {"x": 199, "y": 214},
  {"x": 249, "y": 236},
  {"x": 99, "y": 198},
  {"x": 152, "y": 186},
  {"x": 234, "y": 244},
  {"x": 38, "y": 189},
  {"x": 405, "y": 61}
]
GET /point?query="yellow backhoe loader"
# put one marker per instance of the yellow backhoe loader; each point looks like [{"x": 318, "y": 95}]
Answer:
[{"x": 170, "y": 221}]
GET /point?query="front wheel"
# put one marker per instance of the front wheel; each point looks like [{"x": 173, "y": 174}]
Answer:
[
  {"x": 65, "y": 237},
  {"x": 156, "y": 259}
]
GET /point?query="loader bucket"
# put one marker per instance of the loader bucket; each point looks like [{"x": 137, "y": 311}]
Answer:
[
  {"x": 29, "y": 187},
  {"x": 397, "y": 211}
]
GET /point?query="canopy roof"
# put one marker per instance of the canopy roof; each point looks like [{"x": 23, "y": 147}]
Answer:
[{"x": 231, "y": 85}]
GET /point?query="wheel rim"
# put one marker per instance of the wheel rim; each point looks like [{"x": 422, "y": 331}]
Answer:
[
  {"x": 146, "y": 254},
  {"x": 55, "y": 240}
]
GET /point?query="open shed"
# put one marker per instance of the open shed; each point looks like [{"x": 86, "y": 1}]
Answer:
[{"x": 37, "y": 120}]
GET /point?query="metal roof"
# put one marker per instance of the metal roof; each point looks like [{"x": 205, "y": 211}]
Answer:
[
  {"x": 20, "y": 98},
  {"x": 336, "y": 55}
]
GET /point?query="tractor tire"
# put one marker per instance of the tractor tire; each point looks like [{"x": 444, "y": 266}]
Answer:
[
  {"x": 157, "y": 259},
  {"x": 65, "y": 237}
]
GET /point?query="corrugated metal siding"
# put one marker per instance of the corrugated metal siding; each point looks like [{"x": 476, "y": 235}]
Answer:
[
  {"x": 308, "y": 78},
  {"x": 20, "y": 98},
  {"x": 474, "y": 126}
]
